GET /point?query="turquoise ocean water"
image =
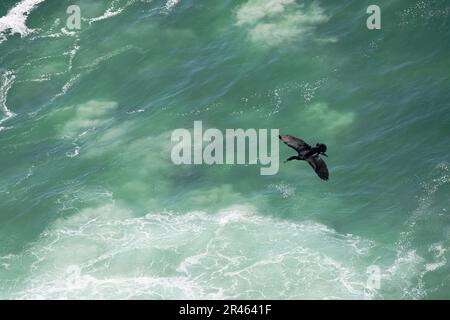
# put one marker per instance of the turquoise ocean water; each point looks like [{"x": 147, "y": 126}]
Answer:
[{"x": 92, "y": 207}]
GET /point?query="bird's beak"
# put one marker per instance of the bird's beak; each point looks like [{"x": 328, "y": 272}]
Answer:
[{"x": 325, "y": 155}]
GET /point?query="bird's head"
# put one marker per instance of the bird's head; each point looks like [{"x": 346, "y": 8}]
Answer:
[{"x": 322, "y": 148}]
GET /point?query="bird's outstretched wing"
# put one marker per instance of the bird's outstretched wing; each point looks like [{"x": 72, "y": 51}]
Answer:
[
  {"x": 319, "y": 166},
  {"x": 295, "y": 143}
]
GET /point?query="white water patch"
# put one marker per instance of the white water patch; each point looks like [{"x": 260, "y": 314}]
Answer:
[
  {"x": 111, "y": 12},
  {"x": 286, "y": 190},
  {"x": 135, "y": 111},
  {"x": 423, "y": 12},
  {"x": 15, "y": 20},
  {"x": 423, "y": 212},
  {"x": 95, "y": 62},
  {"x": 108, "y": 253},
  {"x": 90, "y": 115},
  {"x": 273, "y": 99},
  {"x": 63, "y": 32},
  {"x": 309, "y": 89},
  {"x": 115, "y": 9},
  {"x": 85, "y": 69},
  {"x": 74, "y": 153},
  {"x": 5, "y": 128},
  {"x": 274, "y": 22},
  {"x": 170, "y": 4},
  {"x": 6, "y": 82},
  {"x": 72, "y": 53},
  {"x": 407, "y": 250},
  {"x": 26, "y": 176},
  {"x": 57, "y": 30},
  {"x": 66, "y": 87},
  {"x": 334, "y": 120},
  {"x": 48, "y": 65},
  {"x": 439, "y": 250}
]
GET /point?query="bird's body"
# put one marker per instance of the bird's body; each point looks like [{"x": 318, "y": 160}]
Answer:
[{"x": 308, "y": 154}]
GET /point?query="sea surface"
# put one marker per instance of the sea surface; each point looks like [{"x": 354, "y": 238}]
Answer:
[{"x": 92, "y": 207}]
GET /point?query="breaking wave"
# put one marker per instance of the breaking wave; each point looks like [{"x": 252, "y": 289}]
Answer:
[{"x": 15, "y": 21}]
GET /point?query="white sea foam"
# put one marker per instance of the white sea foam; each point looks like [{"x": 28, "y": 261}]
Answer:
[
  {"x": 408, "y": 261},
  {"x": 85, "y": 69},
  {"x": 333, "y": 120},
  {"x": 276, "y": 96},
  {"x": 66, "y": 87},
  {"x": 170, "y": 4},
  {"x": 6, "y": 82},
  {"x": 89, "y": 115},
  {"x": 234, "y": 253},
  {"x": 276, "y": 21},
  {"x": 15, "y": 19},
  {"x": 422, "y": 12},
  {"x": 71, "y": 54},
  {"x": 111, "y": 12},
  {"x": 439, "y": 251},
  {"x": 5, "y": 128},
  {"x": 74, "y": 153},
  {"x": 136, "y": 111},
  {"x": 115, "y": 9},
  {"x": 286, "y": 190}
]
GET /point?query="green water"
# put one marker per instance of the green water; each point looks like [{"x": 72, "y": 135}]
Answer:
[{"x": 91, "y": 205}]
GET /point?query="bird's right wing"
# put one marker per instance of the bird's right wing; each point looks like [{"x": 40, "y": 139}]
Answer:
[
  {"x": 319, "y": 166},
  {"x": 295, "y": 143}
]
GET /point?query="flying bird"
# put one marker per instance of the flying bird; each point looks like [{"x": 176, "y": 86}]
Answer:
[{"x": 308, "y": 154}]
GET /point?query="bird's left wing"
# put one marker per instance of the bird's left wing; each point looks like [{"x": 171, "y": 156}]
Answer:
[
  {"x": 295, "y": 143},
  {"x": 319, "y": 166}
]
